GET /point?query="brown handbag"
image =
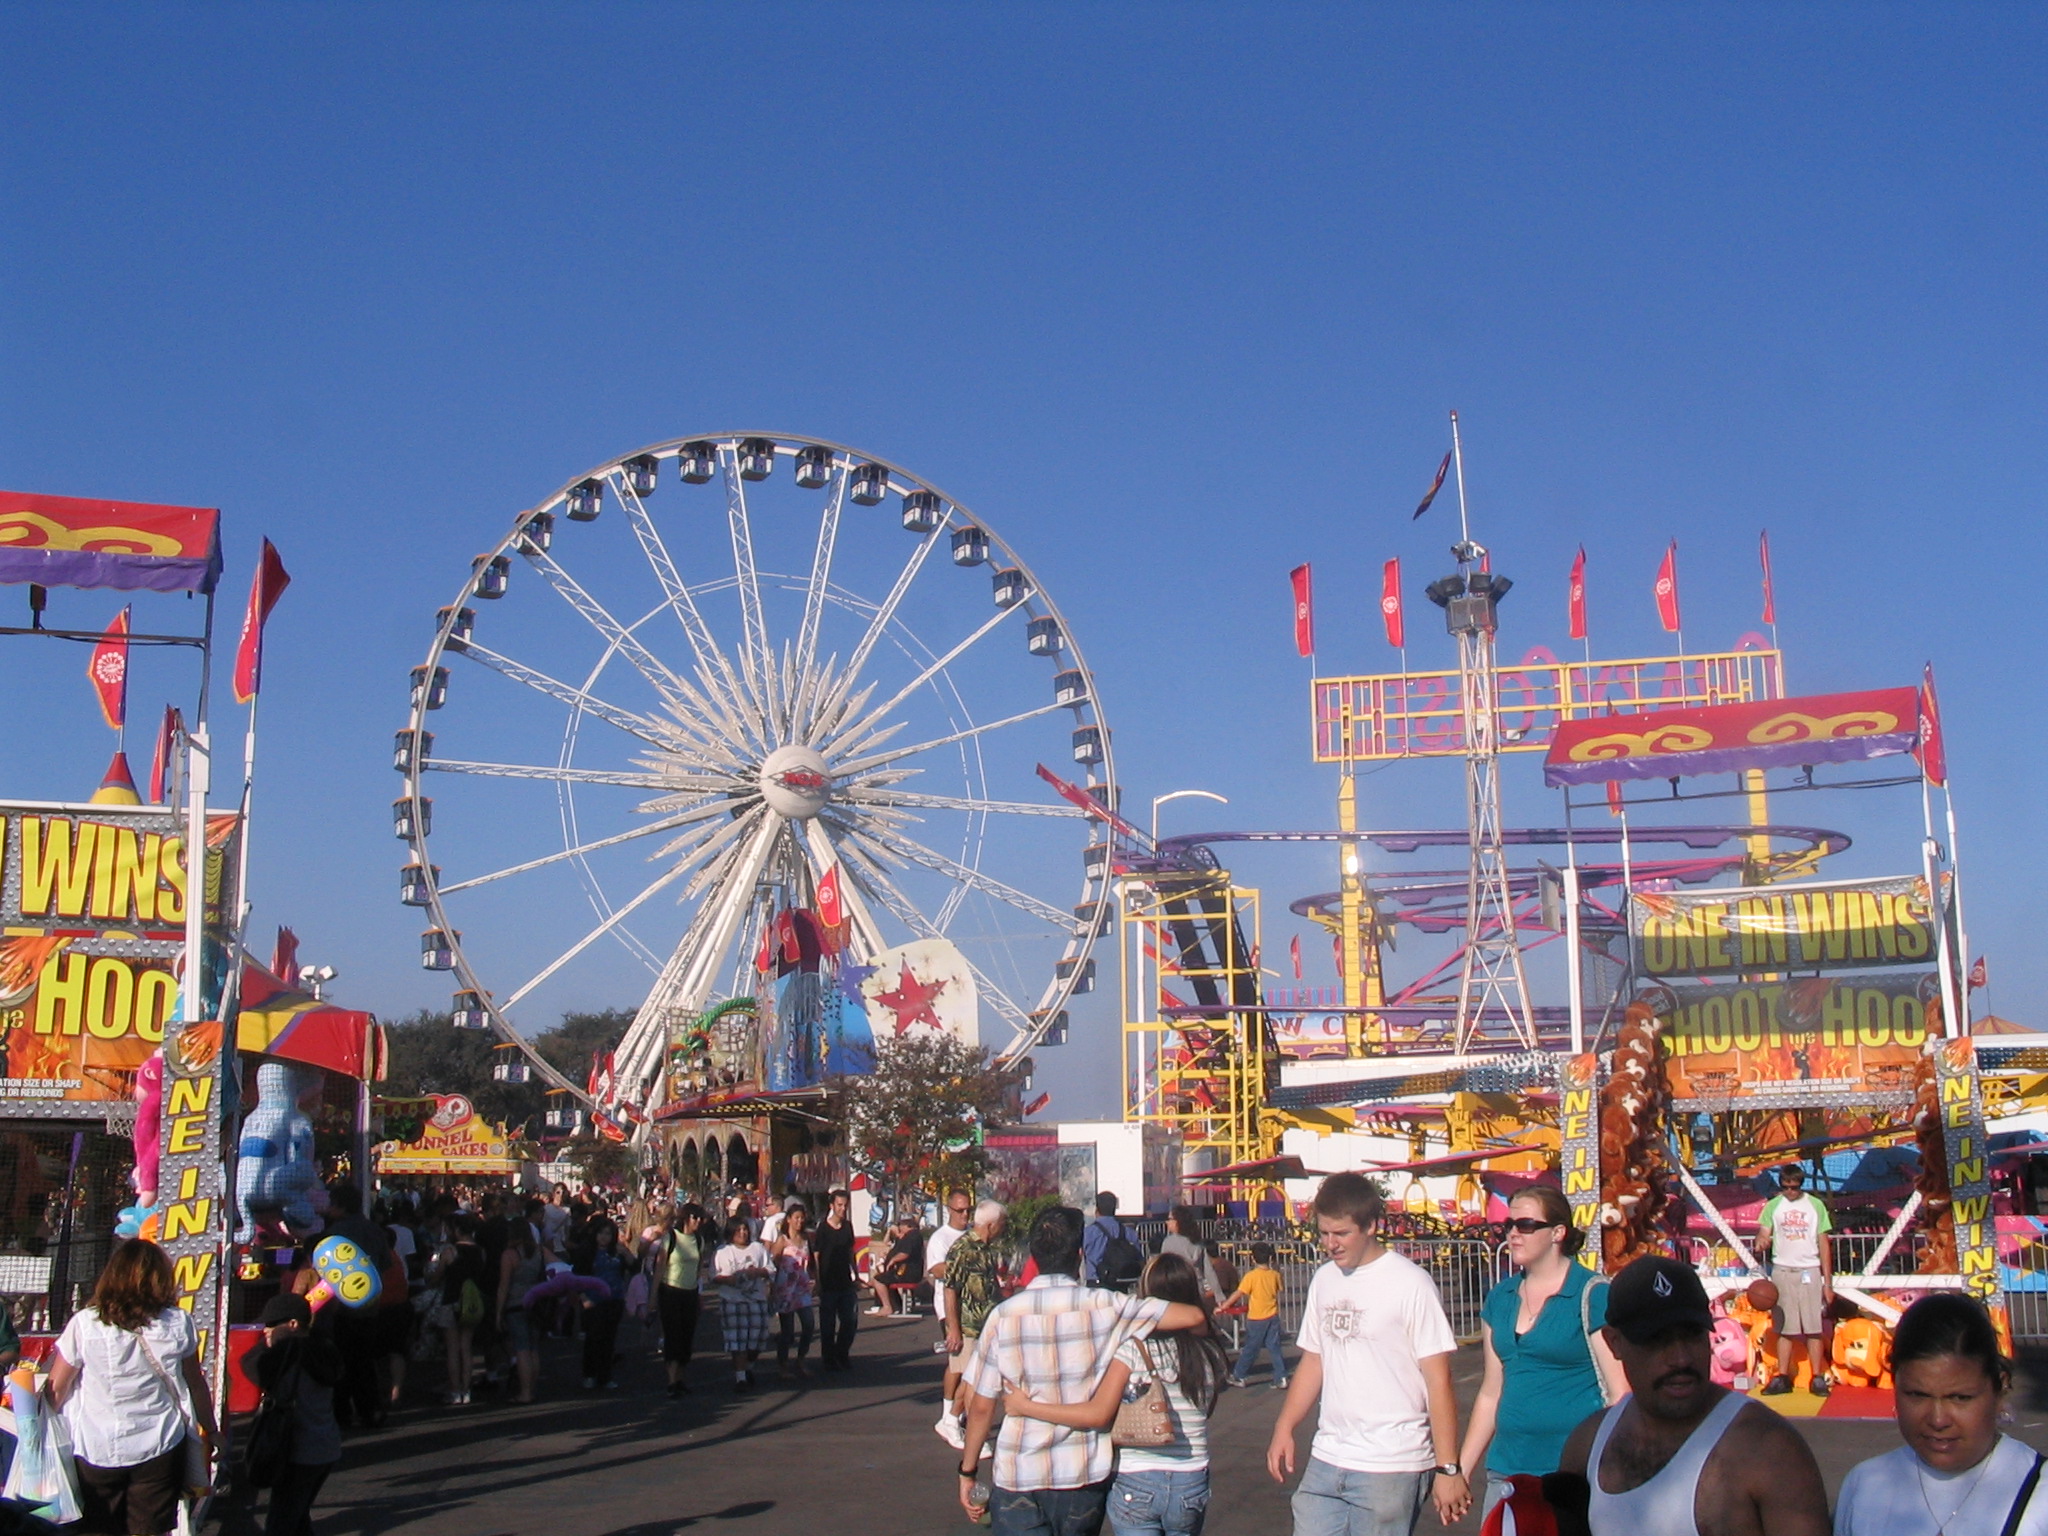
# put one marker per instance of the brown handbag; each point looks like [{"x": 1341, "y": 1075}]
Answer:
[{"x": 1144, "y": 1422}]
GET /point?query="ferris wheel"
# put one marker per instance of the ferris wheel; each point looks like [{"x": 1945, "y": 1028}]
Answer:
[{"x": 682, "y": 689}]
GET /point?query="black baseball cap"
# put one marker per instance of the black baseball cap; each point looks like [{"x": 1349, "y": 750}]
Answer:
[{"x": 1655, "y": 1295}]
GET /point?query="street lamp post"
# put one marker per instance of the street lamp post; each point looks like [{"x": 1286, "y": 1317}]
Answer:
[{"x": 1180, "y": 794}]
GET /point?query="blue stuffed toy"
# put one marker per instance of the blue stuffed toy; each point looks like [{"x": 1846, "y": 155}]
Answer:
[{"x": 277, "y": 1177}]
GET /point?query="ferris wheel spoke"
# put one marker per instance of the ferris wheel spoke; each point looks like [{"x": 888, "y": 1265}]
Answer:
[
  {"x": 655, "y": 548},
  {"x": 672, "y": 688},
  {"x": 821, "y": 577},
  {"x": 653, "y": 732},
  {"x": 572, "y": 775},
  {"x": 756, "y": 660},
  {"x": 619, "y": 915},
  {"x": 906, "y": 799},
  {"x": 966, "y": 875},
  {"x": 885, "y": 611},
  {"x": 861, "y": 765},
  {"x": 667, "y": 823},
  {"x": 867, "y": 723}
]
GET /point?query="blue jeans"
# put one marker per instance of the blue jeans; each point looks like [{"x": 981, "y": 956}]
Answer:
[
  {"x": 1154, "y": 1502},
  {"x": 1330, "y": 1501},
  {"x": 1263, "y": 1334},
  {"x": 1048, "y": 1511}
]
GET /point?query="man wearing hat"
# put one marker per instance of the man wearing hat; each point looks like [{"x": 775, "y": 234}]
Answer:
[
  {"x": 1679, "y": 1454},
  {"x": 1795, "y": 1226},
  {"x": 298, "y": 1367}
]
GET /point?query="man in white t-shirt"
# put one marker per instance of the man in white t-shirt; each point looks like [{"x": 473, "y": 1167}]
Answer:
[
  {"x": 1376, "y": 1349},
  {"x": 1794, "y": 1226}
]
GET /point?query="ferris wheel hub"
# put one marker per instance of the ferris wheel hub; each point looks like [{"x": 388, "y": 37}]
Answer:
[{"x": 795, "y": 782}]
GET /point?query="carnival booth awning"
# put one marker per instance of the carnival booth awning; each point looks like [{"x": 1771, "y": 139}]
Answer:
[
  {"x": 1728, "y": 738},
  {"x": 73, "y": 541},
  {"x": 278, "y": 1021}
]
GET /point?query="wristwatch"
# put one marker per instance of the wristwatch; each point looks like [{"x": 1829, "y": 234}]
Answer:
[
  {"x": 964, "y": 1472},
  {"x": 1450, "y": 1469}
]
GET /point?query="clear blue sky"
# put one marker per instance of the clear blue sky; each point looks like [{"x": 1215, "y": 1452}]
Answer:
[{"x": 1175, "y": 296}]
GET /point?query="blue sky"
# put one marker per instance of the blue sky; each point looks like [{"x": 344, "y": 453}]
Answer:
[{"x": 1175, "y": 297}]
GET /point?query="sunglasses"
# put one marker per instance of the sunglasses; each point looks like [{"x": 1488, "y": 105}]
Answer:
[{"x": 1530, "y": 1224}]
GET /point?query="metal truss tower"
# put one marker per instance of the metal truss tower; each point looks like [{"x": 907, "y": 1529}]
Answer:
[{"x": 1491, "y": 973}]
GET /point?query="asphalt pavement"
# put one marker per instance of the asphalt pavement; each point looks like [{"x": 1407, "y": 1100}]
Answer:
[{"x": 849, "y": 1454}]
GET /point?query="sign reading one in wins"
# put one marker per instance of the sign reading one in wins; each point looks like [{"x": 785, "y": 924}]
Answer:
[
  {"x": 1969, "y": 1165},
  {"x": 1833, "y": 925}
]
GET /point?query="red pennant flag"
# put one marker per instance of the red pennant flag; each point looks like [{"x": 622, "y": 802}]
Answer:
[
  {"x": 1304, "y": 612},
  {"x": 1614, "y": 797},
  {"x": 1667, "y": 590},
  {"x": 1390, "y": 604},
  {"x": 108, "y": 670},
  {"x": 1763, "y": 549},
  {"x": 1575, "y": 601},
  {"x": 1037, "y": 1104},
  {"x": 1294, "y": 953},
  {"x": 264, "y": 590},
  {"x": 831, "y": 911},
  {"x": 1932, "y": 754},
  {"x": 1434, "y": 486},
  {"x": 764, "y": 962},
  {"x": 1979, "y": 976},
  {"x": 284, "y": 960},
  {"x": 166, "y": 743}
]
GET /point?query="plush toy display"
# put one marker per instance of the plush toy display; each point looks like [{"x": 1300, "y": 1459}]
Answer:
[
  {"x": 149, "y": 1113},
  {"x": 1633, "y": 1162},
  {"x": 277, "y": 1178}
]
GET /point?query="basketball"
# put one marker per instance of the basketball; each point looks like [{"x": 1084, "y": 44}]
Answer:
[{"x": 1762, "y": 1295}]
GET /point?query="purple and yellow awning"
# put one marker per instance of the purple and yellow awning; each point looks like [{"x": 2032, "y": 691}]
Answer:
[
  {"x": 75, "y": 541},
  {"x": 1728, "y": 738}
]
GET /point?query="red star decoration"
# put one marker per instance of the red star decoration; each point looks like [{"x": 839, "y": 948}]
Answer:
[{"x": 911, "y": 1002}]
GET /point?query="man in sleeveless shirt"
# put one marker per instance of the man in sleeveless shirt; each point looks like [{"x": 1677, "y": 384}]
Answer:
[{"x": 1679, "y": 1454}]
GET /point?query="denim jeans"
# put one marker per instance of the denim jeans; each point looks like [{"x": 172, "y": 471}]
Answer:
[
  {"x": 787, "y": 1340},
  {"x": 1149, "y": 1501},
  {"x": 1048, "y": 1511},
  {"x": 1262, "y": 1334},
  {"x": 838, "y": 1321},
  {"x": 1330, "y": 1501}
]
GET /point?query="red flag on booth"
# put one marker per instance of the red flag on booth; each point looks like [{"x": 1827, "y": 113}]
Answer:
[
  {"x": 1979, "y": 975},
  {"x": 1932, "y": 754},
  {"x": 1434, "y": 486},
  {"x": 1667, "y": 590},
  {"x": 284, "y": 959},
  {"x": 108, "y": 670},
  {"x": 1575, "y": 600},
  {"x": 166, "y": 742},
  {"x": 1294, "y": 953},
  {"x": 1390, "y": 604},
  {"x": 831, "y": 911},
  {"x": 1763, "y": 549},
  {"x": 264, "y": 590},
  {"x": 1304, "y": 612}
]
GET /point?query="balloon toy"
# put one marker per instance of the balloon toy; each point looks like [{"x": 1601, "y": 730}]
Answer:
[
  {"x": 277, "y": 1174},
  {"x": 149, "y": 1108},
  {"x": 346, "y": 1275}
]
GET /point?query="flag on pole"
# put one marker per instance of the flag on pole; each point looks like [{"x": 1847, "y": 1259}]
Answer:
[
  {"x": 264, "y": 590},
  {"x": 1434, "y": 486},
  {"x": 1667, "y": 590},
  {"x": 108, "y": 670},
  {"x": 1614, "y": 797},
  {"x": 1390, "y": 604},
  {"x": 1933, "y": 756},
  {"x": 166, "y": 743},
  {"x": 1979, "y": 976},
  {"x": 831, "y": 909},
  {"x": 284, "y": 960},
  {"x": 1304, "y": 612},
  {"x": 1575, "y": 600},
  {"x": 1294, "y": 953},
  {"x": 1763, "y": 549},
  {"x": 1037, "y": 1104}
]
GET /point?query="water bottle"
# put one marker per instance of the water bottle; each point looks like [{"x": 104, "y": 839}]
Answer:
[{"x": 978, "y": 1496}]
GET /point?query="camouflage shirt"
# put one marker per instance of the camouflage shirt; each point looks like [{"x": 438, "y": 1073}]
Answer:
[{"x": 974, "y": 1271}]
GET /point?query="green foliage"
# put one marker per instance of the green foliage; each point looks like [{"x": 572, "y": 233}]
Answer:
[
  {"x": 1021, "y": 1216},
  {"x": 602, "y": 1161},
  {"x": 914, "y": 1123},
  {"x": 430, "y": 1055}
]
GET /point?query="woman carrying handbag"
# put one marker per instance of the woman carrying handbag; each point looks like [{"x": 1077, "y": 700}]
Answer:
[
  {"x": 295, "y": 1440},
  {"x": 117, "y": 1371}
]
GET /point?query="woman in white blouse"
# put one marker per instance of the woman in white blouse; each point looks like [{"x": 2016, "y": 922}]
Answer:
[
  {"x": 1956, "y": 1475},
  {"x": 126, "y": 1372},
  {"x": 741, "y": 1270}
]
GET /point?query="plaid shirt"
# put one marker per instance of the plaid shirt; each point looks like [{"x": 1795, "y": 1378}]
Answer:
[{"x": 1054, "y": 1339}]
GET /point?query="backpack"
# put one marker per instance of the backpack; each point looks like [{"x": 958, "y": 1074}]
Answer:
[
  {"x": 469, "y": 1309},
  {"x": 1121, "y": 1262}
]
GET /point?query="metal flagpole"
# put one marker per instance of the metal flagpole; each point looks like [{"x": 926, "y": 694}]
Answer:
[
  {"x": 1955, "y": 876},
  {"x": 1944, "y": 958},
  {"x": 1574, "y": 959}
]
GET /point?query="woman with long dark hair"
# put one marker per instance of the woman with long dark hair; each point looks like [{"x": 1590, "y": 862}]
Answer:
[
  {"x": 460, "y": 1269},
  {"x": 523, "y": 1267},
  {"x": 742, "y": 1269},
  {"x": 793, "y": 1293},
  {"x": 677, "y": 1259},
  {"x": 118, "y": 1370},
  {"x": 1163, "y": 1490},
  {"x": 1957, "y": 1474},
  {"x": 606, "y": 1260},
  {"x": 1547, "y": 1367}
]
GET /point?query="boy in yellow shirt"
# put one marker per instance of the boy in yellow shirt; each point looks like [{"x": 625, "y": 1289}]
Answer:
[{"x": 1259, "y": 1294}]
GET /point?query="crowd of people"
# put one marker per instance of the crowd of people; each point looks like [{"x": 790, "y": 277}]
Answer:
[{"x": 1076, "y": 1393}]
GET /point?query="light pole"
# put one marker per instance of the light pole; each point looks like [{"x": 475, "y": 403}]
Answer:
[
  {"x": 1180, "y": 794},
  {"x": 315, "y": 977}
]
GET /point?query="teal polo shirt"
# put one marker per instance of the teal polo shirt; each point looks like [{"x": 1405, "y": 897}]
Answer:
[{"x": 1548, "y": 1383}]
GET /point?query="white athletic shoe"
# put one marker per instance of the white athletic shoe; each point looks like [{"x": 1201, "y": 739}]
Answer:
[{"x": 948, "y": 1429}]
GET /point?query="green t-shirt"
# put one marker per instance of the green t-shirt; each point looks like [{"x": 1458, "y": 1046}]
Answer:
[
  {"x": 1796, "y": 1228},
  {"x": 1548, "y": 1380},
  {"x": 682, "y": 1257}
]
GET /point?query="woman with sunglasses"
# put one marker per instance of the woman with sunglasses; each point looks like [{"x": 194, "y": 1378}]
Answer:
[{"x": 1547, "y": 1367}]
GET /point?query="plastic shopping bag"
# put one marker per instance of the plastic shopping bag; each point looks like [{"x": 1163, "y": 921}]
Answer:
[{"x": 43, "y": 1476}]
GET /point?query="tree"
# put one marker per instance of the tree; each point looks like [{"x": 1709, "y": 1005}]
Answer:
[
  {"x": 602, "y": 1161},
  {"x": 914, "y": 1122},
  {"x": 430, "y": 1055}
]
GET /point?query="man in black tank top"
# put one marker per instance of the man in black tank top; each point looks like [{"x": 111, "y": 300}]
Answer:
[{"x": 1681, "y": 1456}]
